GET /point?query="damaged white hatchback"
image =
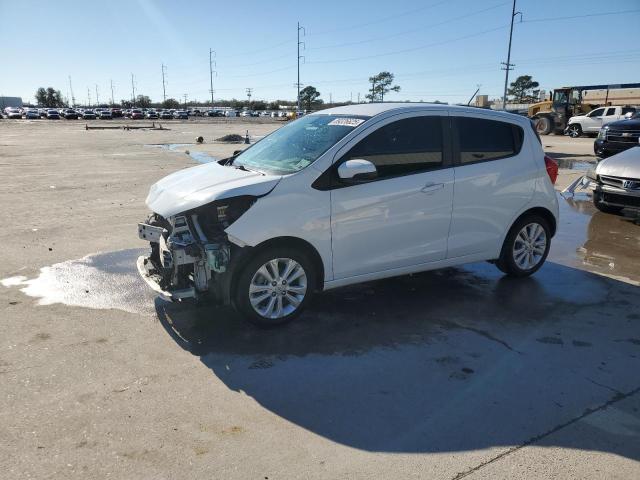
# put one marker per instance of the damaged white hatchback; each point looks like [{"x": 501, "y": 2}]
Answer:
[{"x": 348, "y": 195}]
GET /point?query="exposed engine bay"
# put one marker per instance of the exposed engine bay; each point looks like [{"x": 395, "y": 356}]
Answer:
[{"x": 190, "y": 252}]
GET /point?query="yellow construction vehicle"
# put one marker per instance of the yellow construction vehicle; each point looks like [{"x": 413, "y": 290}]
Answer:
[{"x": 552, "y": 115}]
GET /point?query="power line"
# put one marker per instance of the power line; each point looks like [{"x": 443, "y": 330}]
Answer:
[
  {"x": 406, "y": 32},
  {"x": 412, "y": 49},
  {"x": 586, "y": 15},
  {"x": 382, "y": 20}
]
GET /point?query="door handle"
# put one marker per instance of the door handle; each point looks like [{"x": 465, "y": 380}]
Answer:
[{"x": 431, "y": 187}]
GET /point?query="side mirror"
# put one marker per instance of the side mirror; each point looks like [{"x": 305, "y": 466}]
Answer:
[
  {"x": 628, "y": 115},
  {"x": 357, "y": 170}
]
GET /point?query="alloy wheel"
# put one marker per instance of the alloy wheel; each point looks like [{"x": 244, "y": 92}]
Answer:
[
  {"x": 529, "y": 246},
  {"x": 278, "y": 288}
]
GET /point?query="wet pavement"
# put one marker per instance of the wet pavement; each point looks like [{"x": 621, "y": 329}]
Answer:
[{"x": 447, "y": 374}]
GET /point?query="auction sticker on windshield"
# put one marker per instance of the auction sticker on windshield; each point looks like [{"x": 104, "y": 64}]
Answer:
[{"x": 346, "y": 122}]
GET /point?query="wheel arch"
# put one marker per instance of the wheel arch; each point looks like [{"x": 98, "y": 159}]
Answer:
[
  {"x": 247, "y": 253},
  {"x": 544, "y": 213}
]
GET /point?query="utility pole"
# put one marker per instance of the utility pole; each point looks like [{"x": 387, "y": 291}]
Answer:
[
  {"x": 164, "y": 90},
  {"x": 112, "y": 100},
  {"x": 358, "y": 97},
  {"x": 88, "y": 97},
  {"x": 185, "y": 100},
  {"x": 97, "y": 98},
  {"x": 508, "y": 65},
  {"x": 212, "y": 53},
  {"x": 73, "y": 99},
  {"x": 133, "y": 92},
  {"x": 249, "y": 90},
  {"x": 299, "y": 57}
]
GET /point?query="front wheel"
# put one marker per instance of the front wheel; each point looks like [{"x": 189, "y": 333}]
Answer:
[
  {"x": 275, "y": 286},
  {"x": 526, "y": 247},
  {"x": 574, "y": 130}
]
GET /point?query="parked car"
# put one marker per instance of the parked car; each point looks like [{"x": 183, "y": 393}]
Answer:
[
  {"x": 275, "y": 114},
  {"x": 166, "y": 115},
  {"x": 126, "y": 113},
  {"x": 116, "y": 112},
  {"x": 618, "y": 136},
  {"x": 230, "y": 113},
  {"x": 89, "y": 115},
  {"x": 246, "y": 113},
  {"x": 387, "y": 195},
  {"x": 182, "y": 114},
  {"x": 31, "y": 114},
  {"x": 70, "y": 114},
  {"x": 105, "y": 114},
  {"x": 136, "y": 114},
  {"x": 593, "y": 121},
  {"x": 616, "y": 182},
  {"x": 151, "y": 114},
  {"x": 13, "y": 112},
  {"x": 53, "y": 114}
]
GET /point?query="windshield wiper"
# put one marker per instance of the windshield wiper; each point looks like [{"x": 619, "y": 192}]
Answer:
[{"x": 245, "y": 169}]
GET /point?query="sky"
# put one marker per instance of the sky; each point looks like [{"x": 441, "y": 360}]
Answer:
[{"x": 438, "y": 50}]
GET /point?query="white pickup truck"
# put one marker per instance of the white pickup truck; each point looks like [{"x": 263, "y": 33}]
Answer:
[{"x": 592, "y": 122}]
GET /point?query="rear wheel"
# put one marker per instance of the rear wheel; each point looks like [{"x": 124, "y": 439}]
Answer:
[
  {"x": 275, "y": 286},
  {"x": 544, "y": 125},
  {"x": 574, "y": 130},
  {"x": 603, "y": 207},
  {"x": 526, "y": 247}
]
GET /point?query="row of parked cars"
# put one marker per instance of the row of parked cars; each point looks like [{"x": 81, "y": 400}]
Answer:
[
  {"x": 617, "y": 128},
  {"x": 134, "y": 113}
]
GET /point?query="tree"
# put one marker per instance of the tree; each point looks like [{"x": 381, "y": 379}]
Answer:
[
  {"x": 171, "y": 103},
  {"x": 309, "y": 96},
  {"x": 523, "y": 89},
  {"x": 381, "y": 84},
  {"x": 49, "y": 97},
  {"x": 143, "y": 101}
]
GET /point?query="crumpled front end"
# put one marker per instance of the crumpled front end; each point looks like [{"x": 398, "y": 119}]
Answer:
[{"x": 190, "y": 252}]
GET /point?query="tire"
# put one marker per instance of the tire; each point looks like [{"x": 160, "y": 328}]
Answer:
[
  {"x": 574, "y": 130},
  {"x": 544, "y": 125},
  {"x": 513, "y": 264},
  {"x": 278, "y": 304},
  {"x": 603, "y": 207}
]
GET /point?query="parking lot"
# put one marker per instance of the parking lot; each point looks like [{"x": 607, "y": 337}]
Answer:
[{"x": 446, "y": 374}]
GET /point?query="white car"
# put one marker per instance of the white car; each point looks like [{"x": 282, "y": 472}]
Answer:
[
  {"x": 348, "y": 195},
  {"x": 13, "y": 112},
  {"x": 593, "y": 121}
]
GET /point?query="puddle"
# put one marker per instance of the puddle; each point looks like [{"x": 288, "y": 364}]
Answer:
[
  {"x": 200, "y": 157},
  {"x": 599, "y": 242},
  {"x": 571, "y": 164},
  {"x": 100, "y": 281}
]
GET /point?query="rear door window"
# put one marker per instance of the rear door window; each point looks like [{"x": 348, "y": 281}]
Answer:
[
  {"x": 482, "y": 140},
  {"x": 610, "y": 111}
]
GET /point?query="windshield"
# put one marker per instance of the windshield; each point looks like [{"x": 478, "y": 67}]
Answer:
[
  {"x": 560, "y": 97},
  {"x": 298, "y": 144}
]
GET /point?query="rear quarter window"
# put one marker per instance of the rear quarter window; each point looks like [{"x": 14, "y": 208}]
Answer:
[{"x": 482, "y": 140}]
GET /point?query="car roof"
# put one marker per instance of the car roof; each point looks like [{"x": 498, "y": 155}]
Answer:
[{"x": 373, "y": 109}]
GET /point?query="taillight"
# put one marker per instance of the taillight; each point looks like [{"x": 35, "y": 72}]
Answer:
[{"x": 552, "y": 168}]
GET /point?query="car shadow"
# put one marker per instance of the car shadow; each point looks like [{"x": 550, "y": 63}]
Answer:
[{"x": 451, "y": 360}]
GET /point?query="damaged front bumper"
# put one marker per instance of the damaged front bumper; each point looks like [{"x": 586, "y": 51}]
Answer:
[{"x": 184, "y": 261}]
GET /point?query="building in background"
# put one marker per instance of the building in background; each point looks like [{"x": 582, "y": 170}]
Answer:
[{"x": 10, "y": 102}]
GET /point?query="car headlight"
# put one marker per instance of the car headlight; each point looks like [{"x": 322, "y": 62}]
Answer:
[
  {"x": 214, "y": 217},
  {"x": 602, "y": 134}
]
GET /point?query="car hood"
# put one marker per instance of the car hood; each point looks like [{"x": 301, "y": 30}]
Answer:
[
  {"x": 196, "y": 186},
  {"x": 625, "y": 164},
  {"x": 628, "y": 124}
]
